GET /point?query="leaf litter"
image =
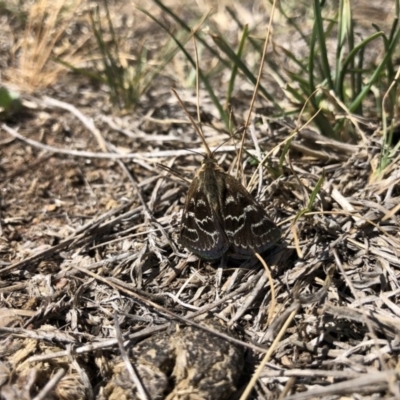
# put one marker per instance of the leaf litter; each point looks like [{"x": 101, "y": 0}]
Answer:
[{"x": 90, "y": 259}]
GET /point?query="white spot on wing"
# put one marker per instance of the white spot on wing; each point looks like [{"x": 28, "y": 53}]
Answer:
[{"x": 230, "y": 199}]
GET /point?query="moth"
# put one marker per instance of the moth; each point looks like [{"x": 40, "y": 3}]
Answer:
[{"x": 221, "y": 216}]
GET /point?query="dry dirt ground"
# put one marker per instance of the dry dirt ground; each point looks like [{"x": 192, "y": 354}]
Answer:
[{"x": 96, "y": 290}]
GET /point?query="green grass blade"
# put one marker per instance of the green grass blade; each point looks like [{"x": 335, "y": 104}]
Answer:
[
  {"x": 321, "y": 38},
  {"x": 240, "y": 65},
  {"x": 349, "y": 61},
  {"x": 311, "y": 59},
  {"x": 234, "y": 71},
  {"x": 186, "y": 27},
  {"x": 241, "y": 26},
  {"x": 224, "y": 116},
  {"x": 344, "y": 32},
  {"x": 377, "y": 73},
  {"x": 316, "y": 190}
]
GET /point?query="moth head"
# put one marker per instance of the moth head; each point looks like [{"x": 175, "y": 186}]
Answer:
[{"x": 210, "y": 162}]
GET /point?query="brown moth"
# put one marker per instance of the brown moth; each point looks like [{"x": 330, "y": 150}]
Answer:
[{"x": 221, "y": 216}]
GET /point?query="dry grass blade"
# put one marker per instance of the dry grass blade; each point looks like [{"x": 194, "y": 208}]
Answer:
[
  {"x": 268, "y": 356},
  {"x": 364, "y": 384},
  {"x": 50, "y": 385},
  {"x": 192, "y": 121},
  {"x": 89, "y": 247},
  {"x": 128, "y": 365},
  {"x": 39, "y": 43}
]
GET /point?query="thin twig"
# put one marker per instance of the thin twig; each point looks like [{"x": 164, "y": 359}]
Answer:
[
  {"x": 50, "y": 385},
  {"x": 129, "y": 367}
]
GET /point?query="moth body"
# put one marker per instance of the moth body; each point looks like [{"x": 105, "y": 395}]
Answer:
[{"x": 221, "y": 216}]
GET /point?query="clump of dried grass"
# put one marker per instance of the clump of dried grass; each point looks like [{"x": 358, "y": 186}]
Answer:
[
  {"x": 89, "y": 250},
  {"x": 44, "y": 40}
]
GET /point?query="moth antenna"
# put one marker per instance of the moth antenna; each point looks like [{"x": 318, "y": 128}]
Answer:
[
  {"x": 197, "y": 84},
  {"x": 208, "y": 151},
  {"x": 173, "y": 172},
  {"x": 259, "y": 76},
  {"x": 220, "y": 145},
  {"x": 195, "y": 152},
  {"x": 192, "y": 121}
]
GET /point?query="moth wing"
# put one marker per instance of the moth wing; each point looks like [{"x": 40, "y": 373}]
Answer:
[
  {"x": 246, "y": 223},
  {"x": 202, "y": 231}
]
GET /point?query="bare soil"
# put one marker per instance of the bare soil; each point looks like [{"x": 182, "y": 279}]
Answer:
[{"x": 90, "y": 260}]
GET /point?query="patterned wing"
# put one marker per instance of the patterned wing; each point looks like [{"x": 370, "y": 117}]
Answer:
[
  {"x": 246, "y": 223},
  {"x": 201, "y": 230}
]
